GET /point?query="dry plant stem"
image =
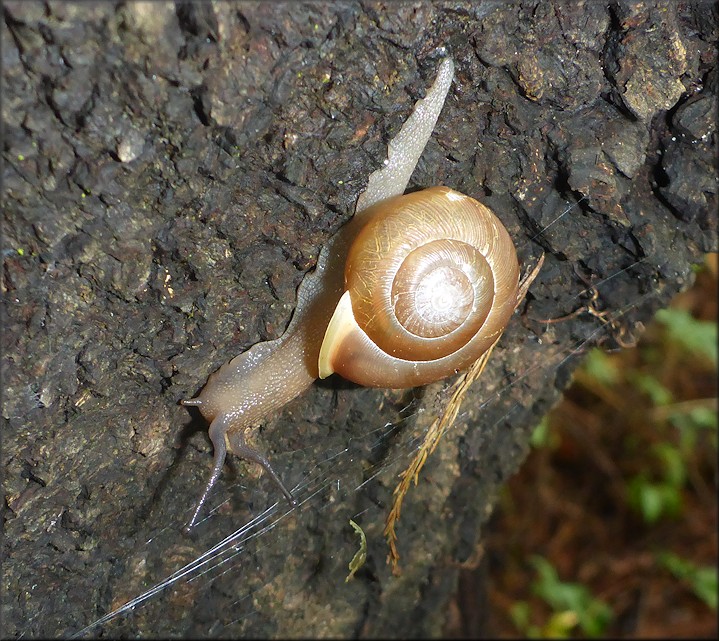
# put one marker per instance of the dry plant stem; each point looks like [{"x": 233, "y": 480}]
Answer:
[{"x": 439, "y": 426}]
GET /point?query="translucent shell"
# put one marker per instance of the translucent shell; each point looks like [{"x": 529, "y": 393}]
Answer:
[{"x": 430, "y": 282}]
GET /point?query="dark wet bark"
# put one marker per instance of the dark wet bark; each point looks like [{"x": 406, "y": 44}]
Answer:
[{"x": 170, "y": 173}]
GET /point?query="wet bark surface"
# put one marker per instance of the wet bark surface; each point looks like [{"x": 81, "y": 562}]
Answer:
[{"x": 170, "y": 174}]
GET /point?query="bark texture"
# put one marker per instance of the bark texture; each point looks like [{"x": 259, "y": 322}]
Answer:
[{"x": 170, "y": 173}]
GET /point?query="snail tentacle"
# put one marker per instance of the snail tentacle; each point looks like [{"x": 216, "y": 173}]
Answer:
[
  {"x": 216, "y": 431},
  {"x": 405, "y": 149}
]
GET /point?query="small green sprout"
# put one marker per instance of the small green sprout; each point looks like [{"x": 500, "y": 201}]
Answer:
[{"x": 358, "y": 560}]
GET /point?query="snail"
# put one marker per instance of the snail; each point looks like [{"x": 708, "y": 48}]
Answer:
[{"x": 413, "y": 288}]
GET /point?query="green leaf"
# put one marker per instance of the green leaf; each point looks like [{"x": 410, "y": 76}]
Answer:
[
  {"x": 572, "y": 603},
  {"x": 519, "y": 612},
  {"x": 541, "y": 436},
  {"x": 602, "y": 368},
  {"x": 560, "y": 625},
  {"x": 696, "y": 418},
  {"x": 648, "y": 384},
  {"x": 703, "y": 580},
  {"x": 675, "y": 471},
  {"x": 653, "y": 500},
  {"x": 704, "y": 583},
  {"x": 697, "y": 336}
]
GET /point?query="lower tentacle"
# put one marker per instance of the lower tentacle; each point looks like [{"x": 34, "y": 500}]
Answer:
[
  {"x": 217, "y": 431},
  {"x": 240, "y": 448}
]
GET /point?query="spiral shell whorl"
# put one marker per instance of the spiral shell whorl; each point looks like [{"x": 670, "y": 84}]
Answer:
[{"x": 441, "y": 287}]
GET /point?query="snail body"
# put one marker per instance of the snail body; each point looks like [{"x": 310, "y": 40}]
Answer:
[{"x": 413, "y": 288}]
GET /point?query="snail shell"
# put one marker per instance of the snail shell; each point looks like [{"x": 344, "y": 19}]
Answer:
[{"x": 431, "y": 280}]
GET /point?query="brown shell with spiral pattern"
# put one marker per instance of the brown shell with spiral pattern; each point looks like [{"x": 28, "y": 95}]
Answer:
[{"x": 431, "y": 281}]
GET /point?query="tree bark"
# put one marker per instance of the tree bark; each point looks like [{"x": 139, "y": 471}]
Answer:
[{"x": 170, "y": 174}]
